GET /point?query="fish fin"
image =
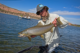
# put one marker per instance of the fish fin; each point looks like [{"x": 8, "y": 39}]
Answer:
[
  {"x": 39, "y": 24},
  {"x": 51, "y": 30},
  {"x": 42, "y": 36},
  {"x": 29, "y": 38},
  {"x": 58, "y": 21}
]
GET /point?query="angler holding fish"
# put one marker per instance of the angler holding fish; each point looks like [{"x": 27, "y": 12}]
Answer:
[
  {"x": 48, "y": 25},
  {"x": 40, "y": 29}
]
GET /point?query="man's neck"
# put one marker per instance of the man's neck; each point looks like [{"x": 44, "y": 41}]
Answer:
[{"x": 44, "y": 19}]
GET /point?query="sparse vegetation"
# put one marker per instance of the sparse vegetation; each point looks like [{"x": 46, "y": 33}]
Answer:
[{"x": 12, "y": 11}]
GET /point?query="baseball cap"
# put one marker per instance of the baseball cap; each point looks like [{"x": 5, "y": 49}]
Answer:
[{"x": 40, "y": 7}]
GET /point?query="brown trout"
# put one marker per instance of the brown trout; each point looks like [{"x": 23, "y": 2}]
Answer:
[{"x": 38, "y": 30}]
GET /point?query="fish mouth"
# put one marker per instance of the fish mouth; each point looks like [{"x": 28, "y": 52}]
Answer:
[{"x": 21, "y": 35}]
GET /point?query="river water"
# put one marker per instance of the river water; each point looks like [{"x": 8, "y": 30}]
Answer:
[{"x": 10, "y": 25}]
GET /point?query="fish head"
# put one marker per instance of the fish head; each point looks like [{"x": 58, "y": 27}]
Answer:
[{"x": 23, "y": 34}]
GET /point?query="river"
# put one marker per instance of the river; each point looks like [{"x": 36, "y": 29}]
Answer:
[{"x": 10, "y": 25}]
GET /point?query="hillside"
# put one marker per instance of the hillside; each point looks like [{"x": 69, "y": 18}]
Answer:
[{"x": 12, "y": 11}]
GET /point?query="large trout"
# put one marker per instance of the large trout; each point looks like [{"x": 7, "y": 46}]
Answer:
[{"x": 38, "y": 30}]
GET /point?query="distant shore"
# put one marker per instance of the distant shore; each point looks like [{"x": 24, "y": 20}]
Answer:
[
  {"x": 8, "y": 13},
  {"x": 17, "y": 15},
  {"x": 11, "y": 11},
  {"x": 75, "y": 25}
]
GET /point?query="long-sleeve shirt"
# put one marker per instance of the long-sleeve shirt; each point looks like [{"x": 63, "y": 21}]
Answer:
[{"x": 53, "y": 38}]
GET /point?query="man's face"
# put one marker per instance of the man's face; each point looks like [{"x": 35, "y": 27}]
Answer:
[{"x": 44, "y": 12}]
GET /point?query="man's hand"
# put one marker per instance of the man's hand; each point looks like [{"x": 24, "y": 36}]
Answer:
[{"x": 55, "y": 22}]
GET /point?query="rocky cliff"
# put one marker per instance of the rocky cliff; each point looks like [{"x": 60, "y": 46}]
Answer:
[{"x": 9, "y": 10}]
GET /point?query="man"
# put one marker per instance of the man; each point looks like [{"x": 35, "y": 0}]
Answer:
[{"x": 51, "y": 39}]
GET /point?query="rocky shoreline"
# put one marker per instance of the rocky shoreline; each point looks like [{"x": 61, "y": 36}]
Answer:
[{"x": 8, "y": 10}]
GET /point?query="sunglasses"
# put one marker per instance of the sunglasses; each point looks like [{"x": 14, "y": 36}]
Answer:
[{"x": 41, "y": 10}]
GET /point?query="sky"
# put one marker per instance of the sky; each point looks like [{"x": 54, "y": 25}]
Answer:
[{"x": 68, "y": 9}]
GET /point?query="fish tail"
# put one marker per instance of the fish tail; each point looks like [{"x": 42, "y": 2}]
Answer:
[{"x": 58, "y": 21}]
